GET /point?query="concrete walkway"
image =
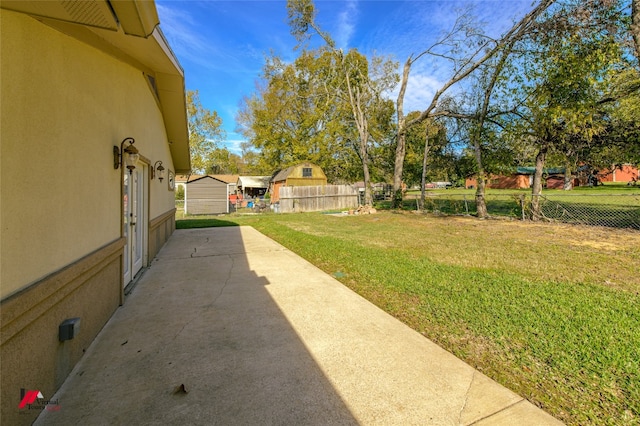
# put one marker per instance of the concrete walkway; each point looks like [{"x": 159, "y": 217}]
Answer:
[{"x": 256, "y": 335}]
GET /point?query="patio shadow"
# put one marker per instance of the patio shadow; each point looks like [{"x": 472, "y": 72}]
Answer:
[{"x": 199, "y": 341}]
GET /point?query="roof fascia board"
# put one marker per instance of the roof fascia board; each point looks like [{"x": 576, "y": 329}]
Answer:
[
  {"x": 173, "y": 106},
  {"x": 209, "y": 177},
  {"x": 137, "y": 18}
]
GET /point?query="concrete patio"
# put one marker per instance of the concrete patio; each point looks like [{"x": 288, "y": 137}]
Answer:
[{"x": 228, "y": 327}]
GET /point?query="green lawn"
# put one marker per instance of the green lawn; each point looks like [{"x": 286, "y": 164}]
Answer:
[{"x": 550, "y": 311}]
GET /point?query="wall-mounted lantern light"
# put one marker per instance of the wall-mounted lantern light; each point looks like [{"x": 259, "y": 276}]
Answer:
[
  {"x": 128, "y": 155},
  {"x": 157, "y": 168}
]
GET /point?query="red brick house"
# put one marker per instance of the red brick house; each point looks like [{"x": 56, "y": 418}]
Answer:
[
  {"x": 521, "y": 179},
  {"x": 625, "y": 173}
]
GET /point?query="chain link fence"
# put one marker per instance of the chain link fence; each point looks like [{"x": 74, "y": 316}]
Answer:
[{"x": 610, "y": 210}]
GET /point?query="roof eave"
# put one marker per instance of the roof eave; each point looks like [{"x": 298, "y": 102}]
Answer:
[{"x": 129, "y": 31}]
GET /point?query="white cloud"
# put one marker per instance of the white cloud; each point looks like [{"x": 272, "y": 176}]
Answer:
[
  {"x": 346, "y": 24},
  {"x": 193, "y": 42},
  {"x": 177, "y": 26},
  {"x": 420, "y": 91},
  {"x": 233, "y": 144}
]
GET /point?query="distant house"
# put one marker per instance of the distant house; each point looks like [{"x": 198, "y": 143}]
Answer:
[
  {"x": 626, "y": 173},
  {"x": 253, "y": 186},
  {"x": 521, "y": 179},
  {"x": 555, "y": 181},
  {"x": 206, "y": 195},
  {"x": 305, "y": 174}
]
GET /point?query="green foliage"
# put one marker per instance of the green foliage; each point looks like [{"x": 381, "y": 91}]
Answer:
[
  {"x": 441, "y": 161},
  {"x": 289, "y": 119},
  {"x": 620, "y": 143},
  {"x": 222, "y": 161},
  {"x": 569, "y": 67},
  {"x": 300, "y": 112},
  {"x": 180, "y": 193},
  {"x": 205, "y": 130},
  {"x": 327, "y": 107}
]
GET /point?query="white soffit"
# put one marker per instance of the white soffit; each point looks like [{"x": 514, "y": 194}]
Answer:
[{"x": 96, "y": 14}]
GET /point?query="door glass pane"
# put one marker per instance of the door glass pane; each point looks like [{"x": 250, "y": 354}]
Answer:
[
  {"x": 137, "y": 216},
  {"x": 126, "y": 197}
]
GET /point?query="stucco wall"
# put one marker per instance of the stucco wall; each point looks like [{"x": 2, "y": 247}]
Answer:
[
  {"x": 64, "y": 106},
  {"x": 32, "y": 355}
]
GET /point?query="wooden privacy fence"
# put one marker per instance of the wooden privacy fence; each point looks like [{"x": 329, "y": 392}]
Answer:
[{"x": 317, "y": 198}]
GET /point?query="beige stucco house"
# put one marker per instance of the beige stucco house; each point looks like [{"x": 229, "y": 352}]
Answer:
[{"x": 80, "y": 80}]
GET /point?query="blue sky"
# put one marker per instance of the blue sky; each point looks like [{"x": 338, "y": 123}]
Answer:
[{"x": 222, "y": 44}]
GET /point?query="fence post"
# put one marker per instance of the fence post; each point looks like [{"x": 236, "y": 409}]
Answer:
[
  {"x": 522, "y": 205},
  {"x": 466, "y": 206}
]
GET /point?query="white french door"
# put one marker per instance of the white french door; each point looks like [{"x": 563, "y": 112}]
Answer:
[{"x": 135, "y": 221}]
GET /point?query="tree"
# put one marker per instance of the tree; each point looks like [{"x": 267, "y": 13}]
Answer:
[
  {"x": 484, "y": 88},
  {"x": 296, "y": 115},
  {"x": 427, "y": 156},
  {"x": 620, "y": 141},
  {"x": 205, "y": 130},
  {"x": 635, "y": 26},
  {"x": 223, "y": 161},
  {"x": 360, "y": 89},
  {"x": 477, "y": 50},
  {"x": 567, "y": 68},
  {"x": 371, "y": 113}
]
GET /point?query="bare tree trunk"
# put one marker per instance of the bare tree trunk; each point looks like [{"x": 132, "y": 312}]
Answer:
[
  {"x": 355, "y": 98},
  {"x": 423, "y": 181},
  {"x": 635, "y": 25},
  {"x": 481, "y": 205},
  {"x": 401, "y": 138},
  {"x": 568, "y": 181},
  {"x": 368, "y": 199},
  {"x": 537, "y": 183},
  {"x": 396, "y": 202},
  {"x": 515, "y": 33}
]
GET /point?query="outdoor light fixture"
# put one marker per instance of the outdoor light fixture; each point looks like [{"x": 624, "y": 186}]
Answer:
[
  {"x": 157, "y": 169},
  {"x": 131, "y": 157}
]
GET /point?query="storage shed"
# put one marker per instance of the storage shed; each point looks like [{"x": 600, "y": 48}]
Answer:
[
  {"x": 232, "y": 180},
  {"x": 206, "y": 195},
  {"x": 304, "y": 174}
]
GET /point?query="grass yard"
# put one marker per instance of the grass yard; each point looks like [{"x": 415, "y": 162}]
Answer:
[
  {"x": 550, "y": 311},
  {"x": 613, "y": 205}
]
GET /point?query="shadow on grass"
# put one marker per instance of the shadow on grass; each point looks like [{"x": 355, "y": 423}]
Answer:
[{"x": 205, "y": 222}]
